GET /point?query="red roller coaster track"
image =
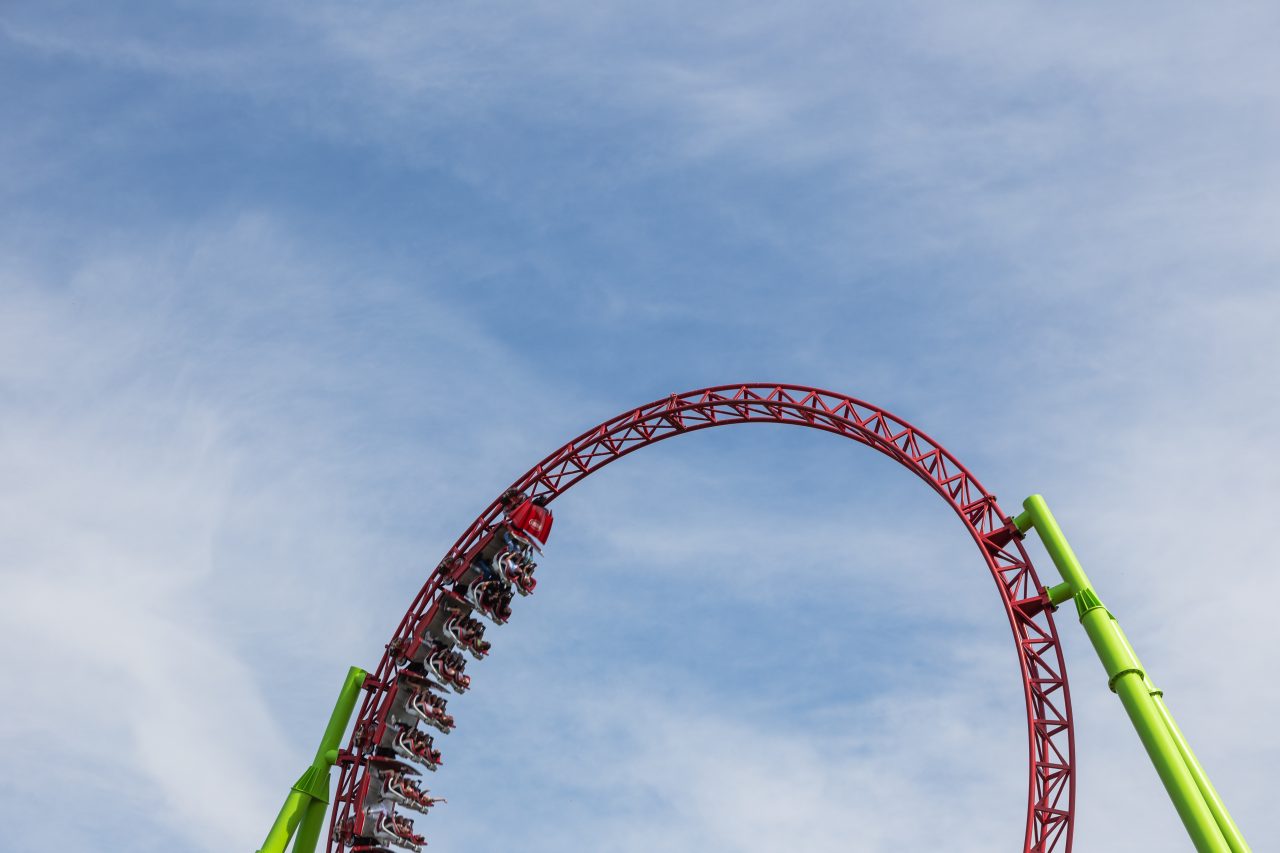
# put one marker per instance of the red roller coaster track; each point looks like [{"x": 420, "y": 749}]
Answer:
[{"x": 1040, "y": 663}]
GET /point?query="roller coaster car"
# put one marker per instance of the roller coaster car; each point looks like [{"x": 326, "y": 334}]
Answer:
[
  {"x": 516, "y": 567},
  {"x": 398, "y": 734},
  {"x": 411, "y": 699},
  {"x": 446, "y": 666},
  {"x": 491, "y": 598},
  {"x": 531, "y": 520},
  {"x": 437, "y": 625},
  {"x": 393, "y": 781},
  {"x": 505, "y": 537},
  {"x": 414, "y": 744},
  {"x": 379, "y": 828},
  {"x": 486, "y": 579},
  {"x": 430, "y": 708},
  {"x": 466, "y": 632}
]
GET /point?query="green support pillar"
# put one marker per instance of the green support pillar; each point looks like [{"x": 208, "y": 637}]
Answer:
[
  {"x": 286, "y": 822},
  {"x": 1205, "y": 817},
  {"x": 1228, "y": 826},
  {"x": 311, "y": 826},
  {"x": 307, "y": 804}
]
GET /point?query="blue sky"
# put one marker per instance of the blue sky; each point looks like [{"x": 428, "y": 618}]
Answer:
[{"x": 290, "y": 291}]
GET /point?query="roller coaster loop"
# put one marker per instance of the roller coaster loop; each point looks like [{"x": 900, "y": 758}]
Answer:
[{"x": 422, "y": 658}]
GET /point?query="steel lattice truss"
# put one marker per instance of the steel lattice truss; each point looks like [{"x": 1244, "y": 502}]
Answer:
[{"x": 1040, "y": 662}]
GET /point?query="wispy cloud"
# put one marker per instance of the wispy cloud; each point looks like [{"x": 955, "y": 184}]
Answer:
[{"x": 168, "y": 457}]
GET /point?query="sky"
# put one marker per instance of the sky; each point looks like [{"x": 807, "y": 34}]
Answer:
[{"x": 289, "y": 292}]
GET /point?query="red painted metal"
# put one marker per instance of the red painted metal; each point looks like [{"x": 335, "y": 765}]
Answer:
[
  {"x": 1050, "y": 734},
  {"x": 532, "y": 521}
]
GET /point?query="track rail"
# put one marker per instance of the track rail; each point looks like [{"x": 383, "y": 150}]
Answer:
[{"x": 1051, "y": 742}]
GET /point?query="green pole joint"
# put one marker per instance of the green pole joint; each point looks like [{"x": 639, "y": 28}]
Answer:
[
  {"x": 1037, "y": 515},
  {"x": 1203, "y": 815},
  {"x": 305, "y": 807},
  {"x": 314, "y": 783},
  {"x": 1086, "y": 601},
  {"x": 1108, "y": 640},
  {"x": 1196, "y": 817},
  {"x": 1059, "y": 594},
  {"x": 1023, "y": 521}
]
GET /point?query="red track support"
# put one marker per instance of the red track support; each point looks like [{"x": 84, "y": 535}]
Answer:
[{"x": 1044, "y": 678}]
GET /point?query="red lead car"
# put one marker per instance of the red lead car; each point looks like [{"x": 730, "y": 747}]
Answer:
[{"x": 532, "y": 519}]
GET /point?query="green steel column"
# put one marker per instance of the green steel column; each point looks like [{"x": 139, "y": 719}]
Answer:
[
  {"x": 307, "y": 802},
  {"x": 282, "y": 830},
  {"x": 1127, "y": 680},
  {"x": 1219, "y": 809},
  {"x": 327, "y": 752},
  {"x": 312, "y": 823}
]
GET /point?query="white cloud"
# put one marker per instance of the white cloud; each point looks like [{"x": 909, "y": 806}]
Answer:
[
  {"x": 179, "y": 509},
  {"x": 204, "y": 422}
]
